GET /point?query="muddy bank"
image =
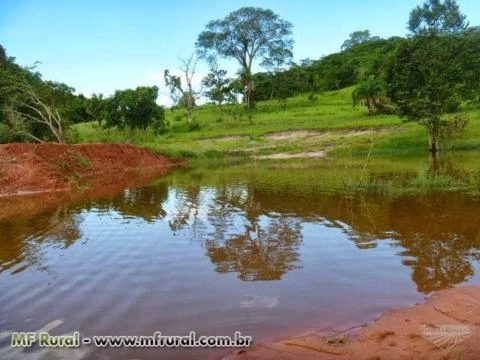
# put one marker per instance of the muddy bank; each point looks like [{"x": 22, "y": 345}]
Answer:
[
  {"x": 45, "y": 175},
  {"x": 446, "y": 327}
]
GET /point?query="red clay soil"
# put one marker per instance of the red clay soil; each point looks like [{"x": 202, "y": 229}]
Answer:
[
  {"x": 446, "y": 327},
  {"x": 31, "y": 168},
  {"x": 48, "y": 174}
]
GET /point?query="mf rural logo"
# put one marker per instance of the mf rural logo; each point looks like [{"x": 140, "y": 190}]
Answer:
[{"x": 446, "y": 337}]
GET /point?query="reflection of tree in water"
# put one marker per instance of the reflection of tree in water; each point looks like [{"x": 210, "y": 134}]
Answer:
[
  {"x": 145, "y": 203},
  {"x": 187, "y": 205},
  {"x": 22, "y": 241},
  {"x": 440, "y": 245},
  {"x": 438, "y": 232},
  {"x": 260, "y": 252}
]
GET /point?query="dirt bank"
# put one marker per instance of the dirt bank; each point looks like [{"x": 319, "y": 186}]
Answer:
[
  {"x": 60, "y": 172},
  {"x": 446, "y": 327}
]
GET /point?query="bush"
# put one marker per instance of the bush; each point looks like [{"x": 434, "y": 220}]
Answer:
[
  {"x": 72, "y": 136},
  {"x": 6, "y": 134},
  {"x": 193, "y": 125}
]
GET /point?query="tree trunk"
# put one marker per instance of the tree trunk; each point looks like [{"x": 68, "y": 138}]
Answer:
[
  {"x": 433, "y": 142},
  {"x": 371, "y": 106},
  {"x": 250, "y": 101},
  {"x": 434, "y": 165},
  {"x": 189, "y": 108},
  {"x": 249, "y": 91}
]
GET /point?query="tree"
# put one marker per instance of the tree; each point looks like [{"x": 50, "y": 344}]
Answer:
[
  {"x": 96, "y": 107},
  {"x": 135, "y": 109},
  {"x": 218, "y": 86},
  {"x": 245, "y": 35},
  {"x": 181, "y": 94},
  {"x": 437, "y": 16},
  {"x": 358, "y": 37},
  {"x": 436, "y": 70},
  {"x": 368, "y": 91},
  {"x": 276, "y": 64},
  {"x": 426, "y": 80},
  {"x": 27, "y": 110}
]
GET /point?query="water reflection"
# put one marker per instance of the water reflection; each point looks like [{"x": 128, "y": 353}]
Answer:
[
  {"x": 22, "y": 241},
  {"x": 261, "y": 252},
  {"x": 253, "y": 224},
  {"x": 436, "y": 233}
]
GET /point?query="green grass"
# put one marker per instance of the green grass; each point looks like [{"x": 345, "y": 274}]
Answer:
[{"x": 234, "y": 134}]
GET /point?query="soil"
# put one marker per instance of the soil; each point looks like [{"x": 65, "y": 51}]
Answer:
[
  {"x": 47, "y": 174},
  {"x": 286, "y": 156},
  {"x": 298, "y": 134},
  {"x": 447, "y": 326}
]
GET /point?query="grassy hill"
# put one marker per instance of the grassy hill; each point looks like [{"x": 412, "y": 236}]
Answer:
[{"x": 325, "y": 124}]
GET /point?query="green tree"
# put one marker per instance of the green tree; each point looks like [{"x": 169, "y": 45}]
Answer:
[
  {"x": 368, "y": 92},
  {"x": 436, "y": 70},
  {"x": 245, "y": 35},
  {"x": 358, "y": 37},
  {"x": 426, "y": 80},
  {"x": 218, "y": 86},
  {"x": 135, "y": 109},
  {"x": 96, "y": 108},
  {"x": 441, "y": 17}
]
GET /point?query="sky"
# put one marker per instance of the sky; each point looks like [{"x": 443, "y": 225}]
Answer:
[{"x": 98, "y": 46}]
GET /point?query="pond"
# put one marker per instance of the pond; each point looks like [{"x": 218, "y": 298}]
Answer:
[{"x": 269, "y": 249}]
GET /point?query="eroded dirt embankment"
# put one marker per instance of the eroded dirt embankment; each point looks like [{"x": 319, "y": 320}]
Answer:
[
  {"x": 446, "y": 327},
  {"x": 48, "y": 174}
]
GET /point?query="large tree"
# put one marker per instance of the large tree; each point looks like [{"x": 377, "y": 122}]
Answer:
[
  {"x": 441, "y": 17},
  {"x": 436, "y": 70},
  {"x": 428, "y": 79},
  {"x": 135, "y": 109},
  {"x": 358, "y": 37},
  {"x": 245, "y": 35}
]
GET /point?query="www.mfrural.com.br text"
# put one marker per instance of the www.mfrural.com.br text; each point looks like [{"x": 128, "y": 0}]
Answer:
[{"x": 156, "y": 340}]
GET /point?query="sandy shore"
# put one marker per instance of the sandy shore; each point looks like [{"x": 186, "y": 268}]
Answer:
[{"x": 447, "y": 326}]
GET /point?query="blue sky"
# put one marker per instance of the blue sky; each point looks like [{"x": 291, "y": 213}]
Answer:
[{"x": 103, "y": 45}]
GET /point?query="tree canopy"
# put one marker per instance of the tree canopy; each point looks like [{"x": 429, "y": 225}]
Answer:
[
  {"x": 442, "y": 17},
  {"x": 135, "y": 109},
  {"x": 427, "y": 80},
  {"x": 245, "y": 35},
  {"x": 358, "y": 37}
]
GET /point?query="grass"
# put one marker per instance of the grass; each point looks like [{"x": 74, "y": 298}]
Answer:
[
  {"x": 232, "y": 133},
  {"x": 306, "y": 178}
]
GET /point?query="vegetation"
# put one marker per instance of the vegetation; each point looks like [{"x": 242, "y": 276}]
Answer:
[
  {"x": 219, "y": 88},
  {"x": 245, "y": 35},
  {"x": 435, "y": 71},
  {"x": 135, "y": 109},
  {"x": 368, "y": 91},
  {"x": 328, "y": 122},
  {"x": 429, "y": 78},
  {"x": 183, "y": 94},
  {"x": 358, "y": 37}
]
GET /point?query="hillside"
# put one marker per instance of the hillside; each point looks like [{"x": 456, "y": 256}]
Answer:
[{"x": 325, "y": 124}]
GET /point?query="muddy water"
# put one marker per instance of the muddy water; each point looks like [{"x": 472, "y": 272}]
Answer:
[{"x": 270, "y": 250}]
